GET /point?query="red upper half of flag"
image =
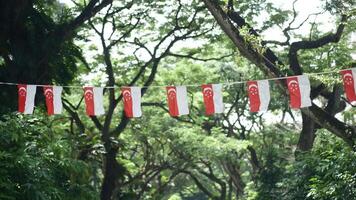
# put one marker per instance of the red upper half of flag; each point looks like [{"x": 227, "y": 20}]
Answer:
[
  {"x": 294, "y": 92},
  {"x": 172, "y": 100},
  {"x": 208, "y": 96},
  {"x": 89, "y": 101},
  {"x": 48, "y": 92},
  {"x": 253, "y": 95},
  {"x": 349, "y": 84},
  {"x": 127, "y": 99},
  {"x": 22, "y": 93}
]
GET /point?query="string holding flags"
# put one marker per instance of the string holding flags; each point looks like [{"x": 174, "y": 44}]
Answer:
[{"x": 258, "y": 94}]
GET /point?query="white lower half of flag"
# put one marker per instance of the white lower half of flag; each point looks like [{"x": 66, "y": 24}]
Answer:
[
  {"x": 182, "y": 100},
  {"x": 264, "y": 93},
  {"x": 57, "y": 100}
]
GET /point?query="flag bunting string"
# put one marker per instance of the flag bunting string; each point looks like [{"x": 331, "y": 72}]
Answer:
[
  {"x": 259, "y": 95},
  {"x": 188, "y": 85}
]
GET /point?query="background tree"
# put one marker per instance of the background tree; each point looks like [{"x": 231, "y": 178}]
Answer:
[
  {"x": 235, "y": 155},
  {"x": 314, "y": 117},
  {"x": 36, "y": 43}
]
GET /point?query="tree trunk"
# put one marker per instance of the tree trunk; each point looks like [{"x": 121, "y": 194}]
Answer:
[
  {"x": 254, "y": 159},
  {"x": 307, "y": 135},
  {"x": 234, "y": 173},
  {"x": 113, "y": 172}
]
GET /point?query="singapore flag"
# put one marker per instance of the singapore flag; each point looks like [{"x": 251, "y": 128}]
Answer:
[
  {"x": 213, "y": 99},
  {"x": 177, "y": 100},
  {"x": 131, "y": 97},
  {"x": 26, "y": 98},
  {"x": 299, "y": 91},
  {"x": 94, "y": 101},
  {"x": 349, "y": 79},
  {"x": 259, "y": 95},
  {"x": 53, "y": 99}
]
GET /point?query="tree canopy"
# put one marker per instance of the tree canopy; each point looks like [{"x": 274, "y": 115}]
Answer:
[{"x": 280, "y": 154}]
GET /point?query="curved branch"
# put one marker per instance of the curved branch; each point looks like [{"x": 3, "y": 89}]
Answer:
[
  {"x": 69, "y": 108},
  {"x": 190, "y": 56},
  {"x": 89, "y": 11},
  {"x": 312, "y": 44},
  {"x": 200, "y": 184}
]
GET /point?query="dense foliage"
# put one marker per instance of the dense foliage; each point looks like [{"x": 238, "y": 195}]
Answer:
[{"x": 37, "y": 161}]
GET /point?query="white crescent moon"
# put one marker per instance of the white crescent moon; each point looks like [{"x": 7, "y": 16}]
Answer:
[
  {"x": 292, "y": 81},
  {"x": 48, "y": 90},
  {"x": 22, "y": 88},
  {"x": 171, "y": 90},
  {"x": 207, "y": 89},
  {"x": 126, "y": 91},
  {"x": 252, "y": 86},
  {"x": 88, "y": 91},
  {"x": 348, "y": 75}
]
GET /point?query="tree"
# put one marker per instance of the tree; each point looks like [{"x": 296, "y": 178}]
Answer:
[
  {"x": 234, "y": 155},
  {"x": 313, "y": 117},
  {"x": 174, "y": 28},
  {"x": 37, "y": 43}
]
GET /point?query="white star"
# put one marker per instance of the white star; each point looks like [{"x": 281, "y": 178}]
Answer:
[
  {"x": 293, "y": 87},
  {"x": 208, "y": 93},
  {"x": 253, "y": 91},
  {"x": 348, "y": 81},
  {"x": 89, "y": 96}
]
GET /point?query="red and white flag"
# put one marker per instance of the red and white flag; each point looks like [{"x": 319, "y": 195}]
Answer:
[
  {"x": 299, "y": 91},
  {"x": 213, "y": 99},
  {"x": 131, "y": 97},
  {"x": 259, "y": 95},
  {"x": 349, "y": 79},
  {"x": 53, "y": 99},
  {"x": 177, "y": 100},
  {"x": 94, "y": 101},
  {"x": 26, "y": 98}
]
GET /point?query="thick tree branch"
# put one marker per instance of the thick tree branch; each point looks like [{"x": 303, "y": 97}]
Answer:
[
  {"x": 322, "y": 118},
  {"x": 97, "y": 123},
  {"x": 93, "y": 7},
  {"x": 200, "y": 185},
  {"x": 213, "y": 178},
  {"x": 191, "y": 56},
  {"x": 69, "y": 108},
  {"x": 233, "y": 33},
  {"x": 329, "y": 122},
  {"x": 312, "y": 44}
]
